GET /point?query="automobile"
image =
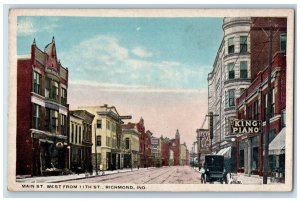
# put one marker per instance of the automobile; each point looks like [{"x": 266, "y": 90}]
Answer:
[{"x": 213, "y": 169}]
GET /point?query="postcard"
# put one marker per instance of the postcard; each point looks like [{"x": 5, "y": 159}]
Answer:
[{"x": 140, "y": 100}]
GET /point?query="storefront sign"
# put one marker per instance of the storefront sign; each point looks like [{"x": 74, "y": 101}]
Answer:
[
  {"x": 245, "y": 126},
  {"x": 204, "y": 141}
]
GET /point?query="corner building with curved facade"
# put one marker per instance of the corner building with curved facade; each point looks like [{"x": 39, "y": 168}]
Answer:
[{"x": 230, "y": 76}]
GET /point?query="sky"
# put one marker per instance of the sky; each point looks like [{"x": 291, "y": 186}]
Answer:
[{"x": 155, "y": 68}]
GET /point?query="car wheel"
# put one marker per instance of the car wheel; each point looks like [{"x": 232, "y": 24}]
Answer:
[{"x": 204, "y": 179}]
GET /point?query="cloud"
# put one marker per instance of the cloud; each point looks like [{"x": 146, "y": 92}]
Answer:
[
  {"x": 138, "y": 29},
  {"x": 29, "y": 26},
  {"x": 105, "y": 59},
  {"x": 115, "y": 87},
  {"x": 141, "y": 52}
]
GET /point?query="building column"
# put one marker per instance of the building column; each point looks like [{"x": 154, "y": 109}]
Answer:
[{"x": 249, "y": 157}]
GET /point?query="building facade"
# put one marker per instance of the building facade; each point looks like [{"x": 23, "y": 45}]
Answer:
[
  {"x": 131, "y": 146},
  {"x": 42, "y": 112},
  {"x": 183, "y": 154},
  {"x": 80, "y": 140},
  {"x": 156, "y": 151},
  {"x": 252, "y": 105},
  {"x": 231, "y": 74},
  {"x": 145, "y": 144},
  {"x": 170, "y": 150},
  {"x": 107, "y": 134}
]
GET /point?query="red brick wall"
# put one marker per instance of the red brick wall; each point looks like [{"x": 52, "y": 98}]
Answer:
[
  {"x": 24, "y": 117},
  {"x": 259, "y": 41}
]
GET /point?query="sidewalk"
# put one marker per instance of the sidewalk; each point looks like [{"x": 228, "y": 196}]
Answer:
[
  {"x": 61, "y": 178},
  {"x": 244, "y": 178}
]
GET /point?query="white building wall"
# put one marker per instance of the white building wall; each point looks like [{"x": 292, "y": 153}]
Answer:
[{"x": 232, "y": 27}]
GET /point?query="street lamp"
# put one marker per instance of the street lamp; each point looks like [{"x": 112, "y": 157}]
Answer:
[{"x": 69, "y": 148}]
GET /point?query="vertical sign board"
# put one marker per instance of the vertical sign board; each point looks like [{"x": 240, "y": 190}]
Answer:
[{"x": 204, "y": 139}]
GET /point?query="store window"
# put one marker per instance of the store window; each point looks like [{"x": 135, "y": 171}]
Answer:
[{"x": 249, "y": 113}]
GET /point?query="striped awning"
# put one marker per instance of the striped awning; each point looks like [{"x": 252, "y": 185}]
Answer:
[
  {"x": 277, "y": 146},
  {"x": 226, "y": 152}
]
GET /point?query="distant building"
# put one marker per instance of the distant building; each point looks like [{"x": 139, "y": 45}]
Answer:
[
  {"x": 156, "y": 151},
  {"x": 80, "y": 139},
  {"x": 145, "y": 145},
  {"x": 170, "y": 149},
  {"x": 131, "y": 146},
  {"x": 183, "y": 155},
  {"x": 42, "y": 112}
]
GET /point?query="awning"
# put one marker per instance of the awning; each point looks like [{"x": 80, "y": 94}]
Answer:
[
  {"x": 277, "y": 146},
  {"x": 226, "y": 152}
]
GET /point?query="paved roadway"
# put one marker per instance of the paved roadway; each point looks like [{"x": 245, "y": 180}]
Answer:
[{"x": 163, "y": 175}]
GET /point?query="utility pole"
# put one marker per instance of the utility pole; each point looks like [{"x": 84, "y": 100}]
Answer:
[{"x": 269, "y": 111}]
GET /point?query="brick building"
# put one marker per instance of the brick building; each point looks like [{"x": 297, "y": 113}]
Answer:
[
  {"x": 170, "y": 150},
  {"x": 42, "y": 112},
  {"x": 145, "y": 145},
  {"x": 252, "y": 104}
]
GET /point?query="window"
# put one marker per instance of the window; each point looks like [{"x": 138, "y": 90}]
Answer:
[
  {"x": 108, "y": 143},
  {"x": 72, "y": 133},
  {"x": 36, "y": 82},
  {"x": 265, "y": 105},
  {"x": 243, "y": 44},
  {"x": 54, "y": 121},
  {"x": 249, "y": 112},
  {"x": 47, "y": 88},
  {"x": 243, "y": 70},
  {"x": 127, "y": 143},
  {"x": 76, "y": 133},
  {"x": 231, "y": 97},
  {"x": 283, "y": 42},
  {"x": 230, "y": 70},
  {"x": 256, "y": 110},
  {"x": 99, "y": 123},
  {"x": 54, "y": 90},
  {"x": 63, "y": 124},
  {"x": 98, "y": 140},
  {"x": 272, "y": 103},
  {"x": 36, "y": 116},
  {"x": 63, "y": 96},
  {"x": 79, "y": 134},
  {"x": 107, "y": 124},
  {"x": 47, "y": 119},
  {"x": 230, "y": 46},
  {"x": 113, "y": 127}
]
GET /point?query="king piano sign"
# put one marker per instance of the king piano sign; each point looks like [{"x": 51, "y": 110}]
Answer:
[{"x": 245, "y": 126}]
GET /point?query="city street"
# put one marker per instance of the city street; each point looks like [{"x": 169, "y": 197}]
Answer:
[{"x": 163, "y": 175}]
